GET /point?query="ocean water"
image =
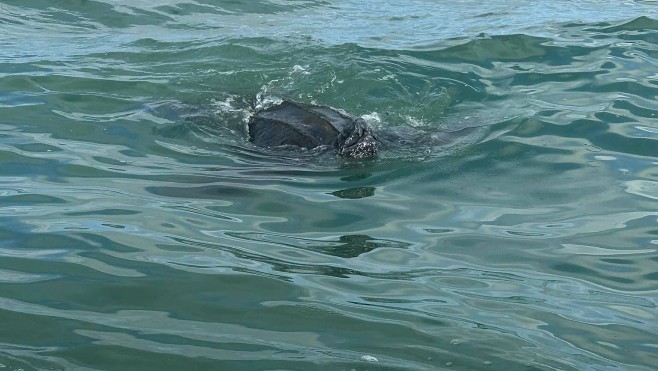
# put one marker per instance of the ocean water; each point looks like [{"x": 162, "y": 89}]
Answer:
[{"x": 141, "y": 230}]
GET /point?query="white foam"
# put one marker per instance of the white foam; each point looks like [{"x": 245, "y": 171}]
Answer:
[{"x": 368, "y": 358}]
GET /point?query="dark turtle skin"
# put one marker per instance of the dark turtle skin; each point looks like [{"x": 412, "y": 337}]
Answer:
[{"x": 310, "y": 126}]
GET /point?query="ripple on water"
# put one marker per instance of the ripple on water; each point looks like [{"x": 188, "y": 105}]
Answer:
[{"x": 140, "y": 229}]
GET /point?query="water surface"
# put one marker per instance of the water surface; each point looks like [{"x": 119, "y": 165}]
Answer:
[{"x": 139, "y": 228}]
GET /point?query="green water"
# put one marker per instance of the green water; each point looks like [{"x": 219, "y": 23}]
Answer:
[{"x": 140, "y": 230}]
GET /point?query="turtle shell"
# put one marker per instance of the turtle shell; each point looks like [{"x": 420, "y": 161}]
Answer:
[{"x": 303, "y": 125}]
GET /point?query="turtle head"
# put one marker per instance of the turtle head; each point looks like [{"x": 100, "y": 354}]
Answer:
[{"x": 359, "y": 142}]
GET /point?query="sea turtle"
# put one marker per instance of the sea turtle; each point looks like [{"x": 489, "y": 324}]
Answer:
[{"x": 310, "y": 126}]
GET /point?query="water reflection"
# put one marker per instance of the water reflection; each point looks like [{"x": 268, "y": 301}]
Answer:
[
  {"x": 355, "y": 193},
  {"x": 346, "y": 246}
]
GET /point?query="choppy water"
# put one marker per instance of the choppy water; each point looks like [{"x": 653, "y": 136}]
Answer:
[{"x": 140, "y": 230}]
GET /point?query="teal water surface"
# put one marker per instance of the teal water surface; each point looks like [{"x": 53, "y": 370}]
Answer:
[{"x": 141, "y": 230}]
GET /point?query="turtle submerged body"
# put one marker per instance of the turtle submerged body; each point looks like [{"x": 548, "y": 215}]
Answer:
[{"x": 311, "y": 126}]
